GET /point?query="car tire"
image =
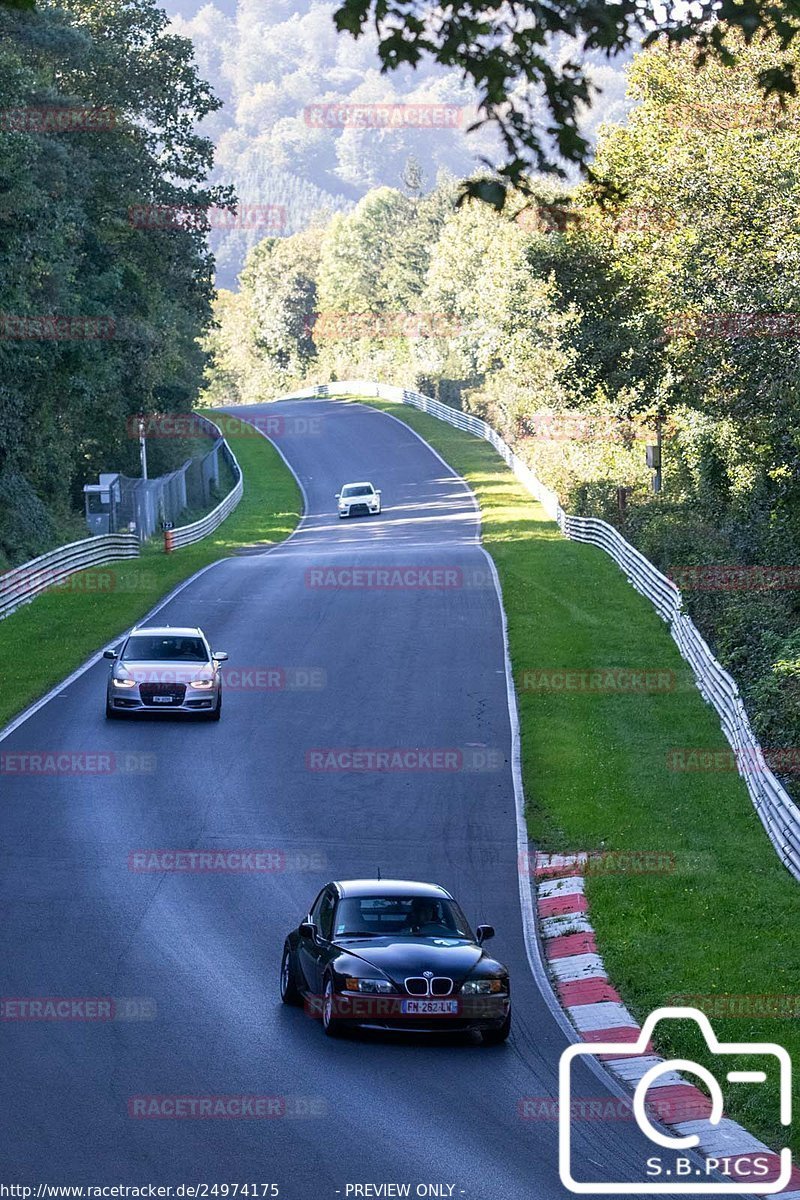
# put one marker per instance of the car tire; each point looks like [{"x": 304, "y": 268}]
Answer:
[
  {"x": 330, "y": 1024},
  {"x": 498, "y": 1035},
  {"x": 290, "y": 993},
  {"x": 216, "y": 713},
  {"x": 111, "y": 713}
]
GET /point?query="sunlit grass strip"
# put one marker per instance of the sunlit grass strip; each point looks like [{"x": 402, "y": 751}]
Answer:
[{"x": 714, "y": 914}]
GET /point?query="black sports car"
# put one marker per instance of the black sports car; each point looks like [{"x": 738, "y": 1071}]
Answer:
[{"x": 390, "y": 954}]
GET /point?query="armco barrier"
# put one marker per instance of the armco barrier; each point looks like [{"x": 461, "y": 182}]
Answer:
[
  {"x": 23, "y": 583},
  {"x": 777, "y": 811},
  {"x": 175, "y": 538}
]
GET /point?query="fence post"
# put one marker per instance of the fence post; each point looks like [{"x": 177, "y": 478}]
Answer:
[{"x": 168, "y": 546}]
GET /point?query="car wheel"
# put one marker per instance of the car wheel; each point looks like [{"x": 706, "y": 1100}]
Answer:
[
  {"x": 330, "y": 1023},
  {"x": 290, "y": 993},
  {"x": 495, "y": 1037},
  {"x": 111, "y": 713},
  {"x": 216, "y": 713}
]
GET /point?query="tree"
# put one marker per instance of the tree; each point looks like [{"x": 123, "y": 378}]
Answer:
[{"x": 505, "y": 54}]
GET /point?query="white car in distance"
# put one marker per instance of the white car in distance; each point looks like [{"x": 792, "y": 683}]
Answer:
[{"x": 358, "y": 500}]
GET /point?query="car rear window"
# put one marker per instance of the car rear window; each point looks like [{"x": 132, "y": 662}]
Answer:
[{"x": 164, "y": 648}]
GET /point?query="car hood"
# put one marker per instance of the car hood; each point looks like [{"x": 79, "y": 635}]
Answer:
[
  {"x": 164, "y": 672},
  {"x": 401, "y": 958}
]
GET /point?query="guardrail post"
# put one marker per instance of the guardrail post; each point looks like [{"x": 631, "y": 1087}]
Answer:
[{"x": 168, "y": 541}]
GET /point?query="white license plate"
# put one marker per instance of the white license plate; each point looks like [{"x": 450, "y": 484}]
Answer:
[
  {"x": 422, "y": 1008},
  {"x": 162, "y": 699}
]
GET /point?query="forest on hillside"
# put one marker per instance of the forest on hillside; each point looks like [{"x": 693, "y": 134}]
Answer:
[
  {"x": 664, "y": 293},
  {"x": 275, "y": 63}
]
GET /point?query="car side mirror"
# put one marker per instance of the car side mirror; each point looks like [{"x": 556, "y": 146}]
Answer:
[
  {"x": 484, "y": 933},
  {"x": 377, "y": 491},
  {"x": 307, "y": 929},
  {"x": 219, "y": 656},
  {"x": 109, "y": 654},
  {"x": 338, "y": 496}
]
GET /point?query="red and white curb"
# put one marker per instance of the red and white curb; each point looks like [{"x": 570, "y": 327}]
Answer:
[{"x": 597, "y": 1012}]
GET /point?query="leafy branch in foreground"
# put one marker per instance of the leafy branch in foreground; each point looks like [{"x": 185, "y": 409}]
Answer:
[{"x": 533, "y": 95}]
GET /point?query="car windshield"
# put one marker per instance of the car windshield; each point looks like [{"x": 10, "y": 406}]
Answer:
[
  {"x": 400, "y": 916},
  {"x": 164, "y": 648},
  {"x": 357, "y": 489}
]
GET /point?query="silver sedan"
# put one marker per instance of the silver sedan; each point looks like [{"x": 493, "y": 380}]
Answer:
[{"x": 165, "y": 669}]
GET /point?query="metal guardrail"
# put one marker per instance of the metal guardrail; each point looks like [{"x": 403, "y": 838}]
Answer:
[
  {"x": 777, "y": 811},
  {"x": 22, "y": 584},
  {"x": 187, "y": 534}
]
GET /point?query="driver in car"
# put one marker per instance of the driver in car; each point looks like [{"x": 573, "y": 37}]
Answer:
[{"x": 426, "y": 919}]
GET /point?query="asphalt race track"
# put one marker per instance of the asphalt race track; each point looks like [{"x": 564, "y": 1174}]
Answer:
[{"x": 353, "y": 667}]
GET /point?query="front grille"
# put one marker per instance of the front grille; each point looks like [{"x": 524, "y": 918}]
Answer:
[
  {"x": 416, "y": 985},
  {"x": 360, "y": 510},
  {"x": 175, "y": 691}
]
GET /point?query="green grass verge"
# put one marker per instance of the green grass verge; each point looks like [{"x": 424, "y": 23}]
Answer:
[
  {"x": 47, "y": 639},
  {"x": 722, "y": 920}
]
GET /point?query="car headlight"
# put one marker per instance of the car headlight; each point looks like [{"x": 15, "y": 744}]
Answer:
[
  {"x": 483, "y": 987},
  {"x": 375, "y": 987},
  {"x": 124, "y": 683},
  {"x": 202, "y": 685}
]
